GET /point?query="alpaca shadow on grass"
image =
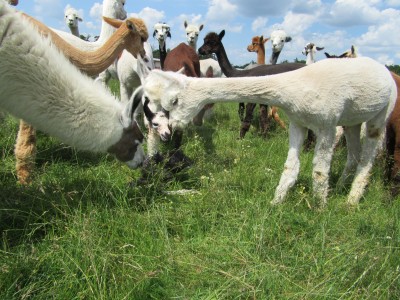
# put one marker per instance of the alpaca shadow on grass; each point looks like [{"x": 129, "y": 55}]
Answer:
[{"x": 30, "y": 212}]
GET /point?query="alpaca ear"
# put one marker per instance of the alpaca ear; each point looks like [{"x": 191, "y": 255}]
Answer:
[
  {"x": 320, "y": 48},
  {"x": 130, "y": 25},
  {"x": 168, "y": 34},
  {"x": 147, "y": 112},
  {"x": 201, "y": 27},
  {"x": 185, "y": 24},
  {"x": 80, "y": 19},
  {"x": 261, "y": 39},
  {"x": 113, "y": 22},
  {"x": 221, "y": 34},
  {"x": 181, "y": 71},
  {"x": 327, "y": 55},
  {"x": 288, "y": 39},
  {"x": 265, "y": 40},
  {"x": 142, "y": 69},
  {"x": 154, "y": 33}
]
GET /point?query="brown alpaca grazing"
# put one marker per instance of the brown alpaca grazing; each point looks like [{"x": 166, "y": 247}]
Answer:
[
  {"x": 213, "y": 44},
  {"x": 393, "y": 143},
  {"x": 257, "y": 45},
  {"x": 130, "y": 35}
]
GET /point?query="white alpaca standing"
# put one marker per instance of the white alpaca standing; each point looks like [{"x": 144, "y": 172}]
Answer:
[
  {"x": 40, "y": 85},
  {"x": 192, "y": 35},
  {"x": 278, "y": 39},
  {"x": 161, "y": 32},
  {"x": 332, "y": 92},
  {"x": 72, "y": 19}
]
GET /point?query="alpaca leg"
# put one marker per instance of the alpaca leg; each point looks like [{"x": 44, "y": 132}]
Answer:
[
  {"x": 275, "y": 116},
  {"x": 352, "y": 135},
  {"x": 25, "y": 152},
  {"x": 241, "y": 111},
  {"x": 245, "y": 126},
  {"x": 292, "y": 164},
  {"x": 322, "y": 163},
  {"x": 198, "y": 119},
  {"x": 392, "y": 168},
  {"x": 368, "y": 153},
  {"x": 264, "y": 119}
]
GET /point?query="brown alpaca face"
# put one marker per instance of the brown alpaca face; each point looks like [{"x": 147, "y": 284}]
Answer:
[{"x": 255, "y": 45}]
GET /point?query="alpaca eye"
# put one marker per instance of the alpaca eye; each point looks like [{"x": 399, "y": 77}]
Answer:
[
  {"x": 175, "y": 102},
  {"x": 155, "y": 125}
]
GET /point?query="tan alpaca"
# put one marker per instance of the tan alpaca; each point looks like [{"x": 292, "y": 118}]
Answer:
[{"x": 130, "y": 35}]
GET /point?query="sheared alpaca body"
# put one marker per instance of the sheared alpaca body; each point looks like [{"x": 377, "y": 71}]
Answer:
[
  {"x": 320, "y": 97},
  {"x": 130, "y": 35},
  {"x": 40, "y": 85},
  {"x": 72, "y": 19},
  {"x": 213, "y": 44}
]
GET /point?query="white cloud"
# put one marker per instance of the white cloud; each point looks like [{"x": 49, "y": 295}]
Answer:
[
  {"x": 48, "y": 9},
  {"x": 150, "y": 16},
  {"x": 297, "y": 23},
  {"x": 96, "y": 11},
  {"x": 221, "y": 11},
  {"x": 353, "y": 12},
  {"x": 259, "y": 23}
]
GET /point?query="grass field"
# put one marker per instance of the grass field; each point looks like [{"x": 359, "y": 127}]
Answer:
[{"x": 82, "y": 231}]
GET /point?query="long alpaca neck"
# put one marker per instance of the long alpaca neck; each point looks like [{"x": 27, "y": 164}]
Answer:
[
  {"x": 163, "y": 54},
  {"x": 310, "y": 58},
  {"x": 274, "y": 57},
  {"x": 225, "y": 64},
  {"x": 92, "y": 63},
  {"x": 74, "y": 31},
  {"x": 261, "y": 55},
  {"x": 264, "y": 90}
]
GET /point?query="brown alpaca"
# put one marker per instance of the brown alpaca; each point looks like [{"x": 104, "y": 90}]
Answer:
[
  {"x": 130, "y": 35},
  {"x": 257, "y": 45}
]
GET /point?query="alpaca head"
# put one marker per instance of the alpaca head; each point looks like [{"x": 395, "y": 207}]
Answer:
[
  {"x": 162, "y": 90},
  {"x": 136, "y": 30},
  {"x": 157, "y": 121},
  {"x": 72, "y": 18},
  {"x": 13, "y": 2},
  {"x": 212, "y": 43},
  {"x": 192, "y": 33},
  {"x": 115, "y": 9},
  {"x": 278, "y": 40},
  {"x": 257, "y": 43},
  {"x": 310, "y": 50},
  {"x": 161, "y": 32},
  {"x": 352, "y": 53},
  {"x": 129, "y": 148}
]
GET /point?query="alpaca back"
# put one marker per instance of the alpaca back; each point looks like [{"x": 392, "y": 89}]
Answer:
[{"x": 183, "y": 56}]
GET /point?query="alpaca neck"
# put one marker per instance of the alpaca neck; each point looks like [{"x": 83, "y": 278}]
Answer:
[
  {"x": 225, "y": 64},
  {"x": 74, "y": 31},
  {"x": 310, "y": 58},
  {"x": 106, "y": 29},
  {"x": 92, "y": 63},
  {"x": 263, "y": 89},
  {"x": 163, "y": 54},
  {"x": 261, "y": 55},
  {"x": 274, "y": 57}
]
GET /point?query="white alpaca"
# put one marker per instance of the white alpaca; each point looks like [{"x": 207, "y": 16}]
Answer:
[
  {"x": 161, "y": 32},
  {"x": 192, "y": 35},
  {"x": 332, "y": 92},
  {"x": 40, "y": 85},
  {"x": 278, "y": 39},
  {"x": 310, "y": 50},
  {"x": 72, "y": 19}
]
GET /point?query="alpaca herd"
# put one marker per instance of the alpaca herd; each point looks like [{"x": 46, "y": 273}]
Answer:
[{"x": 58, "y": 83}]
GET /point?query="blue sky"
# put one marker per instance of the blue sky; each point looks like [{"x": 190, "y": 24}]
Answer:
[{"x": 371, "y": 25}]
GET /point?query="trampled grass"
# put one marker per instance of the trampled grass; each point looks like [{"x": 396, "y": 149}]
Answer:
[{"x": 81, "y": 231}]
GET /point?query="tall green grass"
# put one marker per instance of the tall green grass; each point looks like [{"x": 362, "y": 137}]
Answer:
[{"x": 83, "y": 231}]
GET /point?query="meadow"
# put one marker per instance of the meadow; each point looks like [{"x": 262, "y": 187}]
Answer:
[{"x": 88, "y": 229}]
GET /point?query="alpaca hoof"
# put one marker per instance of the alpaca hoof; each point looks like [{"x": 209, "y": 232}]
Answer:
[{"x": 276, "y": 202}]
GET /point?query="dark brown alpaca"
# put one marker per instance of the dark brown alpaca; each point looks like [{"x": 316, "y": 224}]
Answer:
[
  {"x": 393, "y": 142},
  {"x": 213, "y": 44}
]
